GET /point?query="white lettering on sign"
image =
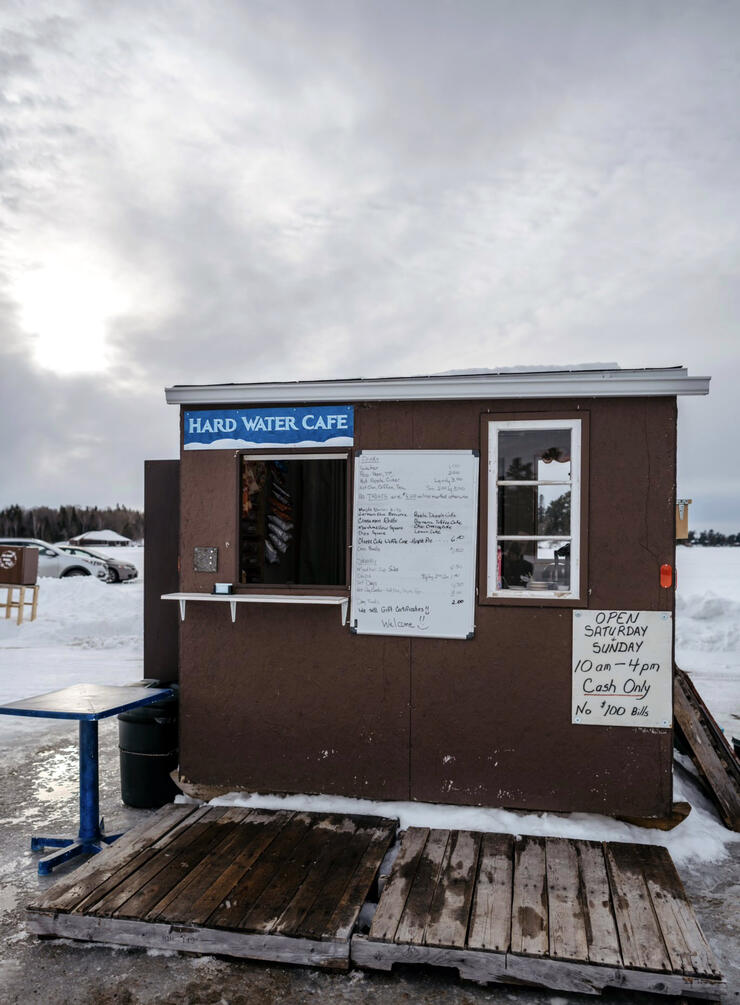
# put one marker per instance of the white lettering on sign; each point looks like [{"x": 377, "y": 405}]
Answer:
[
  {"x": 622, "y": 668},
  {"x": 413, "y": 551},
  {"x": 8, "y": 559},
  {"x": 200, "y": 425}
]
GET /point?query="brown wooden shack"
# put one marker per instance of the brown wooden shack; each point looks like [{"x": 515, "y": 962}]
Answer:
[{"x": 409, "y": 562}]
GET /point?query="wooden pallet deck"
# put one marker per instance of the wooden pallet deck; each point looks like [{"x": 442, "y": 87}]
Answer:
[
  {"x": 260, "y": 884},
  {"x": 568, "y": 915},
  {"x": 710, "y": 750}
]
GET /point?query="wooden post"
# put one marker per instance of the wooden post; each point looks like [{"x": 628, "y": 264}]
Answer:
[{"x": 21, "y": 603}]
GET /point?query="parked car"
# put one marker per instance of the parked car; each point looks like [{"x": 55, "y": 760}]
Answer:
[
  {"x": 118, "y": 570},
  {"x": 57, "y": 563}
]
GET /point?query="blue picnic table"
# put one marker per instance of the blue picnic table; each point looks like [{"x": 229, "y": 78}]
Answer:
[{"x": 87, "y": 703}]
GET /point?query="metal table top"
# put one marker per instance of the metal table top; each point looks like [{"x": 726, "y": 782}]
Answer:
[{"x": 86, "y": 702}]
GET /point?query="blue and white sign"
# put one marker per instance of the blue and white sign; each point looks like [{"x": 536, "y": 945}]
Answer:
[{"x": 236, "y": 428}]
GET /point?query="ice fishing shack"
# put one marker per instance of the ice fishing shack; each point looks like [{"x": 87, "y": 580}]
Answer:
[{"x": 455, "y": 588}]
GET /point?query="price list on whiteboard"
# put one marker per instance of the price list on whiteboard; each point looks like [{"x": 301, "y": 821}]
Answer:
[{"x": 414, "y": 543}]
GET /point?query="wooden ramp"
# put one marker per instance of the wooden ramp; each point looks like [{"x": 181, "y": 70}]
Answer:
[
  {"x": 710, "y": 751},
  {"x": 259, "y": 884},
  {"x": 568, "y": 915}
]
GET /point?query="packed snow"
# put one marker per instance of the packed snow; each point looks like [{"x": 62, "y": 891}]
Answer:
[
  {"x": 708, "y": 628},
  {"x": 88, "y": 630}
]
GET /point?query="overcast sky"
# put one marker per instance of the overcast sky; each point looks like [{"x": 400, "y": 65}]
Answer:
[{"x": 242, "y": 191}]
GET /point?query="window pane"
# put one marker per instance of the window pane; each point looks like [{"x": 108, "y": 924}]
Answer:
[
  {"x": 533, "y": 565},
  {"x": 533, "y": 510},
  {"x": 532, "y": 454},
  {"x": 293, "y": 522}
]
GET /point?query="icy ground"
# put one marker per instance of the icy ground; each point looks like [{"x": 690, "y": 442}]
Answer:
[{"x": 87, "y": 630}]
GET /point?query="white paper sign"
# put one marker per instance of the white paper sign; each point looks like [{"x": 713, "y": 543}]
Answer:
[
  {"x": 414, "y": 543},
  {"x": 623, "y": 668}
]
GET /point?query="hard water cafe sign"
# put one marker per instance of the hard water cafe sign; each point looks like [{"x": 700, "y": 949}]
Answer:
[
  {"x": 622, "y": 668},
  {"x": 236, "y": 428}
]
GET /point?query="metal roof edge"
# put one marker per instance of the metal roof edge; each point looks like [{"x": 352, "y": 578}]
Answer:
[{"x": 533, "y": 384}]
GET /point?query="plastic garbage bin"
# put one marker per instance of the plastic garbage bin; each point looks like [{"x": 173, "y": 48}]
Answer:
[{"x": 148, "y": 745}]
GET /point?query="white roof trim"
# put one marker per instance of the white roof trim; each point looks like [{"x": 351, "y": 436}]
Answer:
[{"x": 535, "y": 384}]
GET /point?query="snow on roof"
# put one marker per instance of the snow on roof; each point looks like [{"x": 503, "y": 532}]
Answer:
[
  {"x": 531, "y": 368},
  {"x": 589, "y": 380},
  {"x": 102, "y": 535}
]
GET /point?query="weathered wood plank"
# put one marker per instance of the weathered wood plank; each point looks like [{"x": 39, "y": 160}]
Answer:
[
  {"x": 473, "y": 965},
  {"x": 185, "y": 870},
  {"x": 709, "y": 749},
  {"x": 153, "y": 860},
  {"x": 251, "y": 839},
  {"x": 415, "y": 916},
  {"x": 208, "y": 870},
  {"x": 529, "y": 926},
  {"x": 120, "y": 875},
  {"x": 65, "y": 894},
  {"x": 175, "y": 863},
  {"x": 309, "y": 890},
  {"x": 639, "y": 933},
  {"x": 323, "y": 841},
  {"x": 566, "y": 921},
  {"x": 601, "y": 930},
  {"x": 154, "y": 935},
  {"x": 683, "y": 937},
  {"x": 449, "y": 913},
  {"x": 347, "y": 859},
  {"x": 243, "y": 895},
  {"x": 345, "y": 916},
  {"x": 592, "y": 979},
  {"x": 490, "y": 918},
  {"x": 558, "y": 975},
  {"x": 393, "y": 899}
]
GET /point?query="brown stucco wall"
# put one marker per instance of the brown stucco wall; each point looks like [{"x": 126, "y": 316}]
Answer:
[{"x": 287, "y": 699}]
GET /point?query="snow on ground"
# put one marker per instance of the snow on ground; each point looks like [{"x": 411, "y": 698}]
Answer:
[
  {"x": 708, "y": 628},
  {"x": 87, "y": 630},
  {"x": 701, "y": 837}
]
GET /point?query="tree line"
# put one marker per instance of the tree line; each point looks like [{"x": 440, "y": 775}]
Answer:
[
  {"x": 712, "y": 538},
  {"x": 61, "y": 524}
]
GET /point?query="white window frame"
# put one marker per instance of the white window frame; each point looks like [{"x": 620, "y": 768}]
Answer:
[{"x": 495, "y": 426}]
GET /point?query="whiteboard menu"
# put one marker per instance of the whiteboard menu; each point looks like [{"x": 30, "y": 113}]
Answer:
[
  {"x": 623, "y": 668},
  {"x": 414, "y": 543}
]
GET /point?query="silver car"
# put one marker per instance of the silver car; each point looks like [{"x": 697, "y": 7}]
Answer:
[
  {"x": 118, "y": 570},
  {"x": 56, "y": 563}
]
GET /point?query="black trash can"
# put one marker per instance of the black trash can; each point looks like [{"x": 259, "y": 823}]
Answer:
[{"x": 148, "y": 745}]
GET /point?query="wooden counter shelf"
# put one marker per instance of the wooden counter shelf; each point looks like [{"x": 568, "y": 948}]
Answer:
[{"x": 258, "y": 598}]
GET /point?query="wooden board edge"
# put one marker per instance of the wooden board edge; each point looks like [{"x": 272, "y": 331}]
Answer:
[
  {"x": 182, "y": 938},
  {"x": 132, "y": 842},
  {"x": 483, "y": 967},
  {"x": 592, "y": 978}
]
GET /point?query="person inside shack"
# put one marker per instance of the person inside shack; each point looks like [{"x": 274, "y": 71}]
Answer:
[{"x": 515, "y": 569}]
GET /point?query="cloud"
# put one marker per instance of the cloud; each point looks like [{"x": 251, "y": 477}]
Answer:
[{"x": 250, "y": 192}]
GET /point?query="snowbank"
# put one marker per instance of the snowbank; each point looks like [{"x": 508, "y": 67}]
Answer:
[
  {"x": 81, "y": 612},
  {"x": 701, "y": 837},
  {"x": 85, "y": 631},
  {"x": 708, "y": 628}
]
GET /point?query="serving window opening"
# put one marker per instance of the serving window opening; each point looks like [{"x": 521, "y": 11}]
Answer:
[
  {"x": 293, "y": 520},
  {"x": 534, "y": 508}
]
